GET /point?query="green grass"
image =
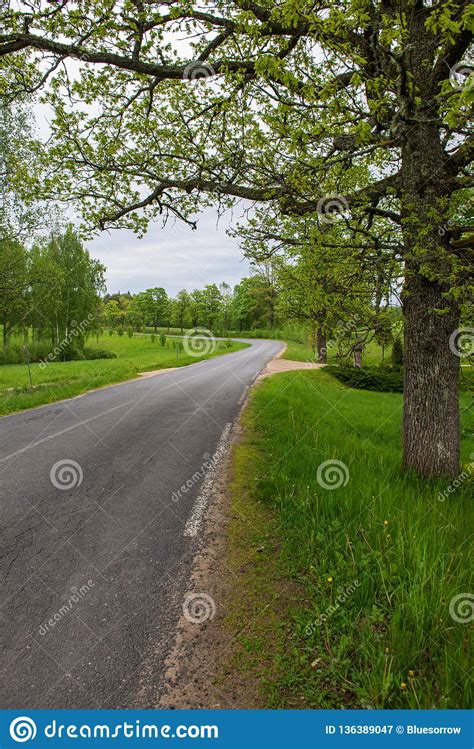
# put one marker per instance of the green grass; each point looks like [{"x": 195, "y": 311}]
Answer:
[
  {"x": 60, "y": 380},
  {"x": 372, "y": 355},
  {"x": 385, "y": 543}
]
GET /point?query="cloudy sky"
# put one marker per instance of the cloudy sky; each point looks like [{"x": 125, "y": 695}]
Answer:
[{"x": 174, "y": 257}]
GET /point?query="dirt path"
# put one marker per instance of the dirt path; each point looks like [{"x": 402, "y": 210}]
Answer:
[{"x": 277, "y": 365}]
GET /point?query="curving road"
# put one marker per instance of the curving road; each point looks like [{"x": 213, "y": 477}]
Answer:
[{"x": 102, "y": 498}]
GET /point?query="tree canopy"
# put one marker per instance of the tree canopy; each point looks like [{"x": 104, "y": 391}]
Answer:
[{"x": 357, "y": 109}]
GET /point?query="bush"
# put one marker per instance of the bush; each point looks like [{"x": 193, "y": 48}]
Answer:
[
  {"x": 162, "y": 339},
  {"x": 97, "y": 353},
  {"x": 16, "y": 354},
  {"x": 111, "y": 331},
  {"x": 130, "y": 332},
  {"x": 153, "y": 338},
  {"x": 384, "y": 380},
  {"x": 120, "y": 331},
  {"x": 397, "y": 353}
]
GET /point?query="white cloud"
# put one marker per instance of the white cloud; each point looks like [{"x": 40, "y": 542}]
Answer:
[{"x": 174, "y": 257}]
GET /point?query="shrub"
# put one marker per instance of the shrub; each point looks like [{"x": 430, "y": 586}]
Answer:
[
  {"x": 130, "y": 332},
  {"x": 384, "y": 380},
  {"x": 97, "y": 353},
  {"x": 153, "y": 338},
  {"x": 120, "y": 330},
  {"x": 162, "y": 339},
  {"x": 111, "y": 331}
]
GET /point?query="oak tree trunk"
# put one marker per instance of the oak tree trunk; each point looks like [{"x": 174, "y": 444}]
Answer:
[
  {"x": 322, "y": 349},
  {"x": 357, "y": 354},
  {"x": 431, "y": 431}
]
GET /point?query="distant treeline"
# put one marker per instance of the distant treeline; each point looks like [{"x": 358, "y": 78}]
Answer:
[{"x": 250, "y": 305}]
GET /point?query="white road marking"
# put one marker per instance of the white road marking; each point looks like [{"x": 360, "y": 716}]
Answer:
[
  {"x": 193, "y": 525},
  {"x": 63, "y": 431},
  {"x": 243, "y": 396}
]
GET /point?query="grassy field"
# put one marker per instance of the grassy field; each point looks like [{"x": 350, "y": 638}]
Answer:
[
  {"x": 349, "y": 597},
  {"x": 372, "y": 355},
  {"x": 54, "y": 381}
]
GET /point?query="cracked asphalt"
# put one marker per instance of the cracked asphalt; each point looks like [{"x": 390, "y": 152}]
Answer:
[{"x": 94, "y": 561}]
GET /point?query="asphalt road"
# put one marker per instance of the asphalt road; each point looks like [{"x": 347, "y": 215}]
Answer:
[{"x": 96, "y": 551}]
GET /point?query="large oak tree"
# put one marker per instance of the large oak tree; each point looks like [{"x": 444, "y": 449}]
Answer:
[{"x": 359, "y": 106}]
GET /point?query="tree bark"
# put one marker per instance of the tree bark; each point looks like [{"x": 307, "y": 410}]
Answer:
[
  {"x": 322, "y": 350},
  {"x": 431, "y": 429},
  {"x": 357, "y": 353}
]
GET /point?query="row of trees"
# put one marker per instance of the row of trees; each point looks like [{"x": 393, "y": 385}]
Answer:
[{"x": 250, "y": 304}]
